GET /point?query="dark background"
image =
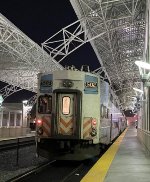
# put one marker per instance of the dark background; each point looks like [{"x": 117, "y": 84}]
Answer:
[{"x": 39, "y": 20}]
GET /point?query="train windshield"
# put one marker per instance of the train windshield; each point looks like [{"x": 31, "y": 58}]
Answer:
[
  {"x": 45, "y": 104},
  {"x": 66, "y": 105}
]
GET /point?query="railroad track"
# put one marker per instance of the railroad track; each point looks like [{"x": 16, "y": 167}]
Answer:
[
  {"x": 31, "y": 172},
  {"x": 74, "y": 172},
  {"x": 56, "y": 171}
]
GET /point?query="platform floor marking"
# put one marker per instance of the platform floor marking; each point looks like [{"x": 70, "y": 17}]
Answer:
[{"x": 98, "y": 172}]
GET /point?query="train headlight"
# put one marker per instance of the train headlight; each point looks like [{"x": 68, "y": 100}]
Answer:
[
  {"x": 40, "y": 131},
  {"x": 93, "y": 132},
  {"x": 67, "y": 83}
]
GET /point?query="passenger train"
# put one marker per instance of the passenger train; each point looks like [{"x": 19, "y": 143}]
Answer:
[{"x": 76, "y": 115}]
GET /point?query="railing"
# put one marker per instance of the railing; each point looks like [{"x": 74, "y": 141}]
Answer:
[{"x": 17, "y": 143}]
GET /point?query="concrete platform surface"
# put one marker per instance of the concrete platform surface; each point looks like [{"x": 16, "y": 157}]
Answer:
[{"x": 131, "y": 162}]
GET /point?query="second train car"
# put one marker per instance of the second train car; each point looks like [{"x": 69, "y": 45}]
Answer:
[{"x": 76, "y": 115}]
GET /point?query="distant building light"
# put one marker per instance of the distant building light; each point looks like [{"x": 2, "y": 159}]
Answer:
[
  {"x": 1, "y": 99},
  {"x": 24, "y": 101},
  {"x": 128, "y": 51},
  {"x": 142, "y": 64}
]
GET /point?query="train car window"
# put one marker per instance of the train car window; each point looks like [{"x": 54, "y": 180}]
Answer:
[
  {"x": 102, "y": 111},
  {"x": 107, "y": 113},
  {"x": 66, "y": 105},
  {"x": 45, "y": 104},
  {"x": 111, "y": 98},
  {"x": 115, "y": 125}
]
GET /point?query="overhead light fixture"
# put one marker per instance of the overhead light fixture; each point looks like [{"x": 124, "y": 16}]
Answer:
[
  {"x": 143, "y": 64},
  {"x": 131, "y": 96},
  {"x": 25, "y": 101},
  {"x": 138, "y": 90},
  {"x": 1, "y": 99}
]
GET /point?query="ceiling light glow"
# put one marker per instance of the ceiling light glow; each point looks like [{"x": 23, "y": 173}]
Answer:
[
  {"x": 138, "y": 90},
  {"x": 142, "y": 64}
]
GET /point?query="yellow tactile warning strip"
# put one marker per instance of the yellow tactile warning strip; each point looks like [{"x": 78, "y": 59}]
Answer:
[{"x": 98, "y": 172}]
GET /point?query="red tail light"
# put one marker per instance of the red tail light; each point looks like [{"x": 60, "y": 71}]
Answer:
[
  {"x": 94, "y": 122},
  {"x": 94, "y": 127},
  {"x": 39, "y": 122}
]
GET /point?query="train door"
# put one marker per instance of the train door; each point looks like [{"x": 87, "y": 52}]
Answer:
[{"x": 66, "y": 113}]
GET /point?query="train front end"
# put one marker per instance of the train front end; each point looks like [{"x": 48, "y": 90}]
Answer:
[{"x": 68, "y": 115}]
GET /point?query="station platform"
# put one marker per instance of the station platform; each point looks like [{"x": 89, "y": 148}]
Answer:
[
  {"x": 7, "y": 139},
  {"x": 125, "y": 161}
]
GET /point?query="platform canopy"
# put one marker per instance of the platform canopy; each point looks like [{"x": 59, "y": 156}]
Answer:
[
  {"x": 21, "y": 58},
  {"x": 116, "y": 30},
  {"x": 121, "y": 25}
]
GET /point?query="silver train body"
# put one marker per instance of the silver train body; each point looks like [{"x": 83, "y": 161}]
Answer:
[{"x": 76, "y": 115}]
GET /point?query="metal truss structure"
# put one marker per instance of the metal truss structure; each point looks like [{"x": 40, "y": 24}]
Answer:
[
  {"x": 116, "y": 31},
  {"x": 32, "y": 100},
  {"x": 21, "y": 59},
  {"x": 9, "y": 90}
]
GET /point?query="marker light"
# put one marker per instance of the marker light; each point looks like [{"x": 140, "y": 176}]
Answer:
[
  {"x": 142, "y": 64},
  {"x": 67, "y": 83},
  {"x": 138, "y": 90}
]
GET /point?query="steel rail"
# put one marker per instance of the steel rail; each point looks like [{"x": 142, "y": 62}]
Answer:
[
  {"x": 72, "y": 172},
  {"x": 30, "y": 172}
]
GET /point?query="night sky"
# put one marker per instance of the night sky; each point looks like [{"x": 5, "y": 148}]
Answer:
[{"x": 39, "y": 20}]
